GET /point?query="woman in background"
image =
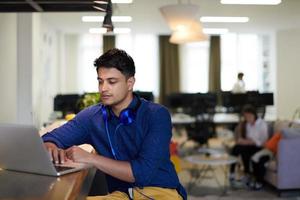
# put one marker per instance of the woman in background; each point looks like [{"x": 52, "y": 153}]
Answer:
[{"x": 252, "y": 133}]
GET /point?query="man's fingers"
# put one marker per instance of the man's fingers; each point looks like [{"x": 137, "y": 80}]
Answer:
[
  {"x": 62, "y": 156},
  {"x": 69, "y": 153},
  {"x": 50, "y": 154},
  {"x": 55, "y": 156}
]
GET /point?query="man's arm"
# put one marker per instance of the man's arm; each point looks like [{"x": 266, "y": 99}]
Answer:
[
  {"x": 118, "y": 169},
  {"x": 72, "y": 133}
]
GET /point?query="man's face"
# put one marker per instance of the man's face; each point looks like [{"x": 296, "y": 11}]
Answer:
[{"x": 113, "y": 86}]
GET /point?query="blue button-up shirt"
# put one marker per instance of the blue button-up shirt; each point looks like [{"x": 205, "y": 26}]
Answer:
[{"x": 144, "y": 143}]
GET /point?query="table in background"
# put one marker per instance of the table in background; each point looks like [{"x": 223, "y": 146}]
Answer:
[
  {"x": 21, "y": 186},
  {"x": 206, "y": 161}
]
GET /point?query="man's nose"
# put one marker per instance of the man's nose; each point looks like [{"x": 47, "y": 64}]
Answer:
[{"x": 103, "y": 86}]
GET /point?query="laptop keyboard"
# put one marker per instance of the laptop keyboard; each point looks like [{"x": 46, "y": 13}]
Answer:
[{"x": 62, "y": 168}]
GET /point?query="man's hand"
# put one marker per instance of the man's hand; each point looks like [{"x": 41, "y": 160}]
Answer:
[
  {"x": 77, "y": 154},
  {"x": 57, "y": 155}
]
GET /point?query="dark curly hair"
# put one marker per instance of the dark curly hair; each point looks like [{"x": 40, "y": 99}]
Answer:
[
  {"x": 247, "y": 109},
  {"x": 116, "y": 58},
  {"x": 250, "y": 109}
]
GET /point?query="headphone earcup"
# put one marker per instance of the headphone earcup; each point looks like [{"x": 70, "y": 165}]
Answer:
[
  {"x": 127, "y": 116},
  {"x": 105, "y": 113}
]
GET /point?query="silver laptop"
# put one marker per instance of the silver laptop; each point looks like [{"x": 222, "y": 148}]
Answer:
[{"x": 22, "y": 149}]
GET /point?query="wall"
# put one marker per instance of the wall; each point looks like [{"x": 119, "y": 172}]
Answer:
[
  {"x": 288, "y": 72},
  {"x": 8, "y": 67},
  {"x": 71, "y": 63},
  {"x": 45, "y": 76}
]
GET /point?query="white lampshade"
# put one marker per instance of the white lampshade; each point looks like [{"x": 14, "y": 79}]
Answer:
[
  {"x": 183, "y": 21},
  {"x": 179, "y": 14},
  {"x": 191, "y": 33}
]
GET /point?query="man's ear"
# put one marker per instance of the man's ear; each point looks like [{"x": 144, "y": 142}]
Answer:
[{"x": 130, "y": 83}]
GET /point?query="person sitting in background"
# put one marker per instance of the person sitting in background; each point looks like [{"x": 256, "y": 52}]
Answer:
[
  {"x": 259, "y": 160},
  {"x": 239, "y": 86},
  {"x": 252, "y": 133}
]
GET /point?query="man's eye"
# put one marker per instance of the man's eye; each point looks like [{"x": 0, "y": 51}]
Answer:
[{"x": 112, "y": 82}]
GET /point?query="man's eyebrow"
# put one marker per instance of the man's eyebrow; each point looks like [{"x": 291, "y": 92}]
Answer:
[{"x": 112, "y": 78}]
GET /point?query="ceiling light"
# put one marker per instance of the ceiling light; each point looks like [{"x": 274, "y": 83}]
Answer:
[
  {"x": 179, "y": 14},
  {"x": 104, "y": 30},
  {"x": 101, "y": 18},
  {"x": 252, "y": 2},
  {"x": 122, "y": 30},
  {"x": 183, "y": 21},
  {"x": 224, "y": 19},
  {"x": 191, "y": 33},
  {"x": 107, "y": 23},
  {"x": 215, "y": 31},
  {"x": 97, "y": 30},
  {"x": 121, "y": 18}
]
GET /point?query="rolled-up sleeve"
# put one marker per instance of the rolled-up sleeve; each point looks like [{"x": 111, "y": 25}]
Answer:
[{"x": 155, "y": 148}]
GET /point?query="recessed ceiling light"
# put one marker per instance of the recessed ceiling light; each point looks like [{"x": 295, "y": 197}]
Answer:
[
  {"x": 104, "y": 30},
  {"x": 215, "y": 31},
  {"x": 101, "y": 18},
  {"x": 252, "y": 2},
  {"x": 224, "y": 19},
  {"x": 97, "y": 30},
  {"x": 122, "y": 30}
]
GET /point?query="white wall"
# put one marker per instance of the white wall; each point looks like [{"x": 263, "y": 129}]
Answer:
[
  {"x": 71, "y": 63},
  {"x": 8, "y": 67},
  {"x": 45, "y": 69},
  {"x": 288, "y": 72}
]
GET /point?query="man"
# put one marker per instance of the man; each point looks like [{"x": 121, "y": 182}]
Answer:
[
  {"x": 130, "y": 135},
  {"x": 239, "y": 86}
]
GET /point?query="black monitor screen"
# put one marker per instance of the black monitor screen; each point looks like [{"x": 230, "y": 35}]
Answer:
[
  {"x": 267, "y": 99},
  {"x": 180, "y": 100},
  {"x": 66, "y": 103}
]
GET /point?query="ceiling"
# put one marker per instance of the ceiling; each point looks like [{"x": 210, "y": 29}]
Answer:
[
  {"x": 46, "y": 5},
  {"x": 147, "y": 18}
]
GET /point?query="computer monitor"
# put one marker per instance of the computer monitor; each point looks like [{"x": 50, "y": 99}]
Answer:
[
  {"x": 66, "y": 103},
  {"x": 180, "y": 100},
  {"x": 267, "y": 98},
  {"x": 205, "y": 102}
]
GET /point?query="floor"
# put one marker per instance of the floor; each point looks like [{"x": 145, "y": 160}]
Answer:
[{"x": 208, "y": 188}]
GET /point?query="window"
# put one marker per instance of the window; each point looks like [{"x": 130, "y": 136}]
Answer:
[
  {"x": 90, "y": 48},
  {"x": 194, "y": 67},
  {"x": 144, "y": 50},
  {"x": 241, "y": 53}
]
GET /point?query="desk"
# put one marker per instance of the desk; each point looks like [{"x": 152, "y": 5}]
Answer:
[
  {"x": 21, "y": 186},
  {"x": 218, "y": 118}
]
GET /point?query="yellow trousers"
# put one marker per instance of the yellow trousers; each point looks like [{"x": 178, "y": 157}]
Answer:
[{"x": 146, "y": 193}]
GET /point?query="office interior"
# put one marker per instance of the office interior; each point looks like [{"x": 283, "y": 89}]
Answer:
[{"x": 45, "y": 54}]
